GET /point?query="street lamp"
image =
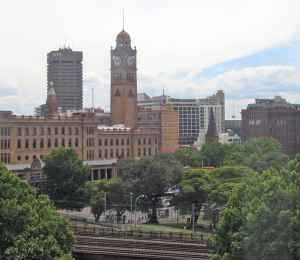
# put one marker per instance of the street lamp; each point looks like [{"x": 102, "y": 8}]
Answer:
[
  {"x": 135, "y": 203},
  {"x": 131, "y": 198},
  {"x": 105, "y": 206}
]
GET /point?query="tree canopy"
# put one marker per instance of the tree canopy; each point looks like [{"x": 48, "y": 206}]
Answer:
[
  {"x": 30, "y": 228},
  {"x": 151, "y": 177},
  {"x": 113, "y": 192},
  {"x": 66, "y": 178},
  {"x": 262, "y": 219},
  {"x": 193, "y": 189},
  {"x": 258, "y": 153}
]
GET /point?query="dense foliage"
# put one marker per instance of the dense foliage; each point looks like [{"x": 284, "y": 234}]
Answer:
[
  {"x": 112, "y": 193},
  {"x": 262, "y": 217},
  {"x": 66, "y": 178},
  {"x": 257, "y": 153},
  {"x": 194, "y": 188},
  {"x": 30, "y": 228},
  {"x": 151, "y": 177}
]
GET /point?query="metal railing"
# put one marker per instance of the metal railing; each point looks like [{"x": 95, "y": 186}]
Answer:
[{"x": 97, "y": 230}]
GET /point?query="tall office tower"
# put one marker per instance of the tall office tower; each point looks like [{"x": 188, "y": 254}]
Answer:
[
  {"x": 123, "y": 82},
  {"x": 65, "y": 71}
]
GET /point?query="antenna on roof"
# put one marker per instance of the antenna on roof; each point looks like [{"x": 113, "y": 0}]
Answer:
[
  {"x": 93, "y": 100},
  {"x": 123, "y": 18},
  {"x": 163, "y": 92}
]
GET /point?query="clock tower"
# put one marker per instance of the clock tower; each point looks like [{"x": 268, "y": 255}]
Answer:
[{"x": 123, "y": 82}]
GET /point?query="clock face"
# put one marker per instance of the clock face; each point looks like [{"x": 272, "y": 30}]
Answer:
[
  {"x": 116, "y": 60},
  {"x": 130, "y": 60}
]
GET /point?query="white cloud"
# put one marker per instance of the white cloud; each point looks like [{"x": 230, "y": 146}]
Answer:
[
  {"x": 172, "y": 37},
  {"x": 241, "y": 86}
]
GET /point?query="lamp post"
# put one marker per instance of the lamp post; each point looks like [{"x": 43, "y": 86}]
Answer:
[
  {"x": 105, "y": 206},
  {"x": 131, "y": 198},
  {"x": 135, "y": 203},
  {"x": 193, "y": 217}
]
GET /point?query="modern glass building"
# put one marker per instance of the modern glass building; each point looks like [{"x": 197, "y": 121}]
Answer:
[{"x": 193, "y": 114}]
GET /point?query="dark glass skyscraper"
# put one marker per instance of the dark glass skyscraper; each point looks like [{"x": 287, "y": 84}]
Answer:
[{"x": 65, "y": 71}]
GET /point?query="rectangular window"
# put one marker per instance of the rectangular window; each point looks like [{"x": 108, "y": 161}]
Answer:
[
  {"x": 19, "y": 143},
  {"x": 42, "y": 143},
  {"x": 34, "y": 131}
]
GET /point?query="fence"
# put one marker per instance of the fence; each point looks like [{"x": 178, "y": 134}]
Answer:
[{"x": 93, "y": 230}]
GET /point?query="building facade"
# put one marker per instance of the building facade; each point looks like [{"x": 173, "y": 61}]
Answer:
[
  {"x": 274, "y": 118},
  {"x": 64, "y": 71},
  {"x": 99, "y": 139},
  {"x": 164, "y": 118},
  {"x": 193, "y": 114},
  {"x": 24, "y": 139}
]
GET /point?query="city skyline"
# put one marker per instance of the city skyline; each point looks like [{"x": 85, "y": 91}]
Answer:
[{"x": 250, "y": 51}]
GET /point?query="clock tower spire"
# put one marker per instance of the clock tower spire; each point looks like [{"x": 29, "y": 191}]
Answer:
[{"x": 123, "y": 81}]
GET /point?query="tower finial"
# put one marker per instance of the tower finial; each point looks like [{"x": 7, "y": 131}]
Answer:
[{"x": 123, "y": 19}]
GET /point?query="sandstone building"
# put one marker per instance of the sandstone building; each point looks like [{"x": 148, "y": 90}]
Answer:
[{"x": 25, "y": 140}]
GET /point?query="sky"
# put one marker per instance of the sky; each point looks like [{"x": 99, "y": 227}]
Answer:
[{"x": 248, "y": 48}]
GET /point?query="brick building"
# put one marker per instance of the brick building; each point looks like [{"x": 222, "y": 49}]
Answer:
[{"x": 274, "y": 118}]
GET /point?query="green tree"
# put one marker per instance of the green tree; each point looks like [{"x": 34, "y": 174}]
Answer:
[
  {"x": 151, "y": 177},
  {"x": 224, "y": 180},
  {"x": 113, "y": 191},
  {"x": 212, "y": 154},
  {"x": 30, "y": 228},
  {"x": 97, "y": 198},
  {"x": 193, "y": 189},
  {"x": 66, "y": 178},
  {"x": 185, "y": 156},
  {"x": 259, "y": 154},
  {"x": 262, "y": 219}
]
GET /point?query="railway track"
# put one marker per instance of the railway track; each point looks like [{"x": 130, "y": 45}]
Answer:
[{"x": 137, "y": 249}]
